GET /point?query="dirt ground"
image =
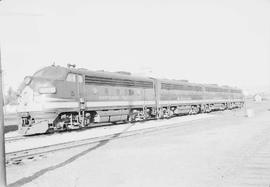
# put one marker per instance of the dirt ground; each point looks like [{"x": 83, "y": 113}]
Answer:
[{"x": 229, "y": 149}]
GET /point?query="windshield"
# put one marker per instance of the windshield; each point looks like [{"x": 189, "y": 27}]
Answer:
[{"x": 55, "y": 73}]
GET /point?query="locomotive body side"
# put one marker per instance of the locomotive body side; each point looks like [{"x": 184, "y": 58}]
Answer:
[
  {"x": 81, "y": 98},
  {"x": 57, "y": 98},
  {"x": 178, "y": 97},
  {"x": 115, "y": 97}
]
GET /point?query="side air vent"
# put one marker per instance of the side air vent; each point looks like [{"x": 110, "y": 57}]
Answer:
[
  {"x": 183, "y": 80},
  {"x": 211, "y": 89},
  {"x": 236, "y": 91},
  {"x": 167, "y": 86},
  {"x": 123, "y": 72},
  {"x": 117, "y": 82}
]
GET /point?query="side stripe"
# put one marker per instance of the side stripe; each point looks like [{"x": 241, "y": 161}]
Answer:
[
  {"x": 75, "y": 104},
  {"x": 118, "y": 103},
  {"x": 200, "y": 101}
]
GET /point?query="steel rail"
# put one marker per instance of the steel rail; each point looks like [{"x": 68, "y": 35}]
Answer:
[
  {"x": 14, "y": 138},
  {"x": 21, "y": 137}
]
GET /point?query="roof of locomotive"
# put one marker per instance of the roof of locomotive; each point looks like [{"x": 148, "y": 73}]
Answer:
[
  {"x": 52, "y": 72},
  {"x": 116, "y": 75},
  {"x": 229, "y": 88},
  {"x": 59, "y": 73},
  {"x": 185, "y": 82}
]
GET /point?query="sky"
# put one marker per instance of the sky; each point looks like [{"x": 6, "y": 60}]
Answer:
[{"x": 218, "y": 42}]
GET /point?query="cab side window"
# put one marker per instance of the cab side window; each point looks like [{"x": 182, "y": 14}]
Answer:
[
  {"x": 71, "y": 77},
  {"x": 80, "y": 78}
]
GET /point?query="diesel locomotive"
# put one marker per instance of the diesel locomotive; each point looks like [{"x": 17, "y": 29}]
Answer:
[{"x": 59, "y": 98}]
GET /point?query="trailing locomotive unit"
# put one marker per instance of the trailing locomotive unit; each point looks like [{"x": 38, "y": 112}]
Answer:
[
  {"x": 57, "y": 98},
  {"x": 180, "y": 96}
]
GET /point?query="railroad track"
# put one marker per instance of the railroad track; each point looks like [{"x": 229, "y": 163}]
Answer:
[
  {"x": 20, "y": 156},
  {"x": 20, "y": 137},
  {"x": 14, "y": 138},
  {"x": 104, "y": 125}
]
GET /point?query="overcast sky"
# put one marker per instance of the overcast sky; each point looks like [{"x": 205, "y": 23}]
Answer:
[{"x": 223, "y": 42}]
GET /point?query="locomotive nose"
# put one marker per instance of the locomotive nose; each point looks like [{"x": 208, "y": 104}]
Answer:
[
  {"x": 37, "y": 86},
  {"x": 41, "y": 85},
  {"x": 34, "y": 92}
]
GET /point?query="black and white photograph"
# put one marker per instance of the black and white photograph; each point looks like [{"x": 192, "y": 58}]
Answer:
[{"x": 135, "y": 93}]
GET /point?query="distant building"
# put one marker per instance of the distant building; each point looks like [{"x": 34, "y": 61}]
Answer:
[{"x": 257, "y": 98}]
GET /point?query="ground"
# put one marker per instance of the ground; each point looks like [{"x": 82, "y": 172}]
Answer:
[{"x": 229, "y": 149}]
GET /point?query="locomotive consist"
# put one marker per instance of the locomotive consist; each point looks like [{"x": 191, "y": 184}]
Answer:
[{"x": 59, "y": 98}]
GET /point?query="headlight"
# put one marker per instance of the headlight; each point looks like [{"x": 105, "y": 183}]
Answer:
[
  {"x": 47, "y": 90},
  {"x": 27, "y": 80}
]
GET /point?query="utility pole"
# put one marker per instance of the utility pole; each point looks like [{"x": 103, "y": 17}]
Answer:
[{"x": 3, "y": 181}]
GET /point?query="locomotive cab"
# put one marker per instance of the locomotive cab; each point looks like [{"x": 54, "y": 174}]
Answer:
[
  {"x": 42, "y": 84},
  {"x": 45, "y": 93}
]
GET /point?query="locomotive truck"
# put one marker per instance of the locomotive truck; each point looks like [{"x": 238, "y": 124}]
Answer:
[{"x": 60, "y": 98}]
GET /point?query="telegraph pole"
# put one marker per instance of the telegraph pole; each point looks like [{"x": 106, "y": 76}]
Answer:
[{"x": 3, "y": 181}]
